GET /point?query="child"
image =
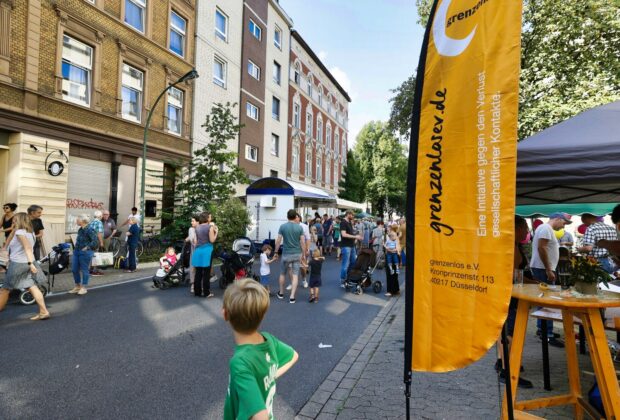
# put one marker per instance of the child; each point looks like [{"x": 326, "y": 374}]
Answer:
[
  {"x": 168, "y": 260},
  {"x": 259, "y": 358},
  {"x": 313, "y": 239},
  {"x": 315, "y": 275},
  {"x": 265, "y": 270},
  {"x": 392, "y": 247}
]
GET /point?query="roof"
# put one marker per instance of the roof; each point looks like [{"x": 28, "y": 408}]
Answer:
[
  {"x": 278, "y": 186},
  {"x": 314, "y": 57},
  {"x": 575, "y": 161}
]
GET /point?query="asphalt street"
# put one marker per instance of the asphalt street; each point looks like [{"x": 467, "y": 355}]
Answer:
[{"x": 131, "y": 351}]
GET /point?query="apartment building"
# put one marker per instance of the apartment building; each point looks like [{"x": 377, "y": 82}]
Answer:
[
  {"x": 77, "y": 81},
  {"x": 218, "y": 61},
  {"x": 318, "y": 120}
]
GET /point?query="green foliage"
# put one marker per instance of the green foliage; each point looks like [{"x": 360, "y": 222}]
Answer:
[
  {"x": 210, "y": 177},
  {"x": 570, "y": 62},
  {"x": 402, "y": 104},
  {"x": 232, "y": 218},
  {"x": 383, "y": 166},
  {"x": 351, "y": 184}
]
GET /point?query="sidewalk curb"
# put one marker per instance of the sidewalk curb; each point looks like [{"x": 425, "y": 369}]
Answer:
[{"x": 329, "y": 398}]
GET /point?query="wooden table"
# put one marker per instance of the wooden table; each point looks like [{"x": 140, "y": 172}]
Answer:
[{"x": 588, "y": 310}]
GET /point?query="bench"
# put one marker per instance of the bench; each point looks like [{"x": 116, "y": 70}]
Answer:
[{"x": 612, "y": 323}]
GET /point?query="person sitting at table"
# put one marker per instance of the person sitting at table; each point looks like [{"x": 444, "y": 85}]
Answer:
[
  {"x": 597, "y": 230},
  {"x": 613, "y": 246},
  {"x": 520, "y": 263}
]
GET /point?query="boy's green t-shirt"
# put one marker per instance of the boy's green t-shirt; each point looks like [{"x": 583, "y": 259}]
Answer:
[{"x": 252, "y": 380}]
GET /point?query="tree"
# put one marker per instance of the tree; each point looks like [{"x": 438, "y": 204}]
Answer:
[
  {"x": 211, "y": 175},
  {"x": 351, "y": 184},
  {"x": 232, "y": 218},
  {"x": 402, "y": 104},
  {"x": 570, "y": 62},
  {"x": 383, "y": 166}
]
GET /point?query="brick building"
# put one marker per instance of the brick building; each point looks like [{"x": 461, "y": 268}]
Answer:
[
  {"x": 318, "y": 120},
  {"x": 77, "y": 80}
]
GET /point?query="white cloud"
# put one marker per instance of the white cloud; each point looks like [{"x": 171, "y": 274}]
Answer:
[
  {"x": 342, "y": 78},
  {"x": 322, "y": 55}
]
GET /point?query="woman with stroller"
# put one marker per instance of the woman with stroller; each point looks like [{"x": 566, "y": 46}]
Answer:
[
  {"x": 23, "y": 271},
  {"x": 206, "y": 235},
  {"x": 85, "y": 246}
]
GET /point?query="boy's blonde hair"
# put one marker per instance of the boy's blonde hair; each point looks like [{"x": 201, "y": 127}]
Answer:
[
  {"x": 316, "y": 253},
  {"x": 246, "y": 302}
]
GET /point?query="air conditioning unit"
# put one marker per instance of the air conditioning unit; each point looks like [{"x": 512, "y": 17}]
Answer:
[{"x": 269, "y": 201}]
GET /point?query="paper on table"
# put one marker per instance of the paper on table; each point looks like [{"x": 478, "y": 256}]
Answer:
[{"x": 611, "y": 288}]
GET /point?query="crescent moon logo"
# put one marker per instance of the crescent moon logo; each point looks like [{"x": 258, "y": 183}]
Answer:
[{"x": 445, "y": 45}]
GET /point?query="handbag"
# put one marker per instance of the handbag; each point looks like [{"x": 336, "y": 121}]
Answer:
[{"x": 101, "y": 259}]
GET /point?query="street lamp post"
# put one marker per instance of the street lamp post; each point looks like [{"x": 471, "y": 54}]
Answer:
[{"x": 188, "y": 76}]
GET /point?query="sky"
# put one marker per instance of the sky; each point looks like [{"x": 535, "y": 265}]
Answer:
[{"x": 370, "y": 46}]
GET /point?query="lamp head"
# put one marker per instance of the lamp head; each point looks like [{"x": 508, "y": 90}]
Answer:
[{"x": 192, "y": 74}]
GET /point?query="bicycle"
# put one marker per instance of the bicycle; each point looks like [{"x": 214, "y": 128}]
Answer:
[
  {"x": 119, "y": 247},
  {"x": 151, "y": 244}
]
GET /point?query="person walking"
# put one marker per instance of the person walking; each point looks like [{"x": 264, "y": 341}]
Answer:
[
  {"x": 402, "y": 239},
  {"x": 316, "y": 263},
  {"x": 206, "y": 235},
  {"x": 133, "y": 237},
  {"x": 291, "y": 235},
  {"x": 545, "y": 257},
  {"x": 328, "y": 235},
  {"x": 7, "y": 219},
  {"x": 24, "y": 271},
  {"x": 337, "y": 237},
  {"x": 347, "y": 246},
  {"x": 85, "y": 246}
]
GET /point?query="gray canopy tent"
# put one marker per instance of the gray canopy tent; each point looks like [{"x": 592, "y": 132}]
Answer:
[{"x": 575, "y": 161}]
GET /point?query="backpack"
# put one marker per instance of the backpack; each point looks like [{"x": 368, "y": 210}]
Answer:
[
  {"x": 59, "y": 263},
  {"x": 120, "y": 263}
]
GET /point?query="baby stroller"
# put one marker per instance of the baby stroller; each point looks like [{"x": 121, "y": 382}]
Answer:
[
  {"x": 359, "y": 276},
  {"x": 238, "y": 263},
  {"x": 172, "y": 276}
]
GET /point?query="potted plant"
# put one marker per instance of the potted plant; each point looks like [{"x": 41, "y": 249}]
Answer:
[{"x": 586, "y": 273}]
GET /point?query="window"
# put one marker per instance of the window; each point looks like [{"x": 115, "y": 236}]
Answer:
[
  {"x": 77, "y": 65},
  {"x": 320, "y": 97},
  {"x": 277, "y": 37},
  {"x": 255, "y": 30},
  {"x": 309, "y": 124},
  {"x": 252, "y": 111},
  {"x": 328, "y": 172},
  {"x": 132, "y": 88},
  {"x": 310, "y": 82},
  {"x": 273, "y": 174},
  {"x": 329, "y": 105},
  {"x": 296, "y": 117},
  {"x": 277, "y": 72},
  {"x": 297, "y": 74},
  {"x": 308, "y": 163},
  {"x": 319, "y": 167},
  {"x": 219, "y": 72},
  {"x": 251, "y": 153},
  {"x": 275, "y": 108},
  {"x": 134, "y": 13},
  {"x": 295, "y": 158},
  {"x": 337, "y": 143},
  {"x": 175, "y": 110},
  {"x": 221, "y": 25},
  {"x": 319, "y": 130},
  {"x": 253, "y": 70},
  {"x": 275, "y": 145},
  {"x": 328, "y": 137},
  {"x": 178, "y": 27}
]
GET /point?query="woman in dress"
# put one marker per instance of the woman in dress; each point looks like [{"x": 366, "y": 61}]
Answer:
[
  {"x": 206, "y": 235},
  {"x": 84, "y": 248},
  {"x": 23, "y": 272}
]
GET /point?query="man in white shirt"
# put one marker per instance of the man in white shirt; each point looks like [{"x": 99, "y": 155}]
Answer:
[{"x": 545, "y": 257}]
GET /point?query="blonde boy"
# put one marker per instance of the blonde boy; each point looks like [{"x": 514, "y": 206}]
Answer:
[{"x": 259, "y": 358}]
